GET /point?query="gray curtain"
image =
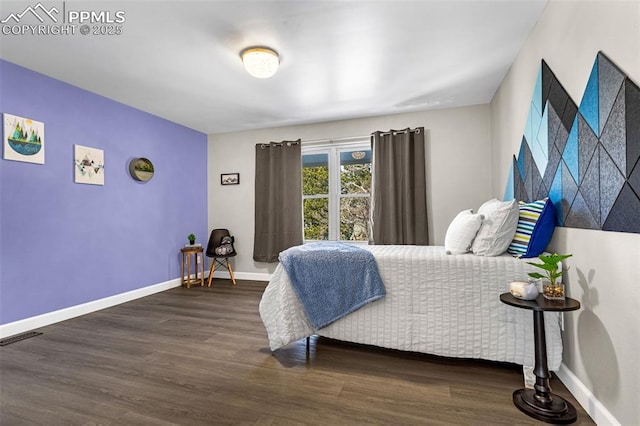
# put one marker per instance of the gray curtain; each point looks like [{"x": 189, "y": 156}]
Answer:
[
  {"x": 278, "y": 209},
  {"x": 399, "y": 195}
]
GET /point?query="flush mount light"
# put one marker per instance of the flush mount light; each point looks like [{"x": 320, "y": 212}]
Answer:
[{"x": 260, "y": 62}]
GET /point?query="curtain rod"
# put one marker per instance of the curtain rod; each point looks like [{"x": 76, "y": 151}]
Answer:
[
  {"x": 276, "y": 144},
  {"x": 317, "y": 141},
  {"x": 337, "y": 140},
  {"x": 397, "y": 132}
]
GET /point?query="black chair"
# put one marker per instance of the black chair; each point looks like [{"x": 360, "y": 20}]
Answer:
[{"x": 220, "y": 249}]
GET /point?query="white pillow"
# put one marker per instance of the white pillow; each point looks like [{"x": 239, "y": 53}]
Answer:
[
  {"x": 498, "y": 228},
  {"x": 461, "y": 232}
]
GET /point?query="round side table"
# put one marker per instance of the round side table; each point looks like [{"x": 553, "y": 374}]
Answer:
[
  {"x": 197, "y": 253},
  {"x": 539, "y": 402}
]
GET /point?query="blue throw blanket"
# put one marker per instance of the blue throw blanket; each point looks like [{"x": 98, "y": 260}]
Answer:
[{"x": 332, "y": 279}]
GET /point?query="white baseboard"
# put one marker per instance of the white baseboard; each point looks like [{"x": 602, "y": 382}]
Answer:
[
  {"x": 253, "y": 276},
  {"x": 49, "y": 318},
  {"x": 596, "y": 410}
]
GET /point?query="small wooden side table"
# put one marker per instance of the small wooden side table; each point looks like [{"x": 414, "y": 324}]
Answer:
[
  {"x": 539, "y": 402},
  {"x": 197, "y": 253}
]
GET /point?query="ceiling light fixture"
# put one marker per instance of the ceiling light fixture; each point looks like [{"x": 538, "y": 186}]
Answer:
[{"x": 260, "y": 62}]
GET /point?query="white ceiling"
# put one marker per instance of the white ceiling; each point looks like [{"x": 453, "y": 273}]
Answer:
[{"x": 339, "y": 59}]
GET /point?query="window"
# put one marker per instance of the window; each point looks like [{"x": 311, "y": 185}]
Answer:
[{"x": 336, "y": 183}]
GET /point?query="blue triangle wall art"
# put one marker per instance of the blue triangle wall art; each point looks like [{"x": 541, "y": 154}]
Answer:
[{"x": 586, "y": 157}]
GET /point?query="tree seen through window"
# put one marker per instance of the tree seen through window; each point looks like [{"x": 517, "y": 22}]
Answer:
[{"x": 336, "y": 186}]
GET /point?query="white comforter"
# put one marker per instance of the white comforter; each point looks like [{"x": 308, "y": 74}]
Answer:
[{"x": 436, "y": 303}]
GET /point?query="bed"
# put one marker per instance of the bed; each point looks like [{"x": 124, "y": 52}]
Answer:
[{"x": 435, "y": 303}]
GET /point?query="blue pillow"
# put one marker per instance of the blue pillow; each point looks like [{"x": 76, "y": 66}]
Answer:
[{"x": 536, "y": 224}]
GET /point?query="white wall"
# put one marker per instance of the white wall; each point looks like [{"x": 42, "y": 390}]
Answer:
[
  {"x": 602, "y": 340},
  {"x": 458, "y": 175}
]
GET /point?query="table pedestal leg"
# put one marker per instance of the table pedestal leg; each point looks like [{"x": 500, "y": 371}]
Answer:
[
  {"x": 182, "y": 270},
  {"x": 539, "y": 402}
]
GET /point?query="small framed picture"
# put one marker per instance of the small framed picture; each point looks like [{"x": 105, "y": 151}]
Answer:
[{"x": 230, "y": 179}]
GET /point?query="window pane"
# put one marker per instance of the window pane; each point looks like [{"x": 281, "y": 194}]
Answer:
[
  {"x": 315, "y": 174},
  {"x": 316, "y": 218},
  {"x": 354, "y": 218},
  {"x": 355, "y": 172}
]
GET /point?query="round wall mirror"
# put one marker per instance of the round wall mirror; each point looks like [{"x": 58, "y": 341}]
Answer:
[{"x": 141, "y": 169}]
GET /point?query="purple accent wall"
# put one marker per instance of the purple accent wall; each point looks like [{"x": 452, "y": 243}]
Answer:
[{"x": 64, "y": 244}]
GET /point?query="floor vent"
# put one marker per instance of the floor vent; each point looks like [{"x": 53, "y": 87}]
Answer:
[{"x": 18, "y": 337}]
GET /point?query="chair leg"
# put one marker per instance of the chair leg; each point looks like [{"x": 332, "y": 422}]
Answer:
[
  {"x": 233, "y": 279},
  {"x": 213, "y": 268}
]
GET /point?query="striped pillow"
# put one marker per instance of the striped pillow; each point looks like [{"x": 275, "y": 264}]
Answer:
[{"x": 535, "y": 227}]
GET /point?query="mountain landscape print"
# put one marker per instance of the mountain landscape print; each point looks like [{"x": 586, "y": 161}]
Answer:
[{"x": 23, "y": 139}]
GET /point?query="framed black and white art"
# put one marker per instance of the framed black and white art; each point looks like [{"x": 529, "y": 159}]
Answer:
[{"x": 230, "y": 179}]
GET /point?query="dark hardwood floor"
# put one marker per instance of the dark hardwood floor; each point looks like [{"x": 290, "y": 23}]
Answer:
[{"x": 201, "y": 356}]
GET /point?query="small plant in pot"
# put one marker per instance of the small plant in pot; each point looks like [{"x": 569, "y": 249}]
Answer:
[
  {"x": 191, "y": 238},
  {"x": 551, "y": 289}
]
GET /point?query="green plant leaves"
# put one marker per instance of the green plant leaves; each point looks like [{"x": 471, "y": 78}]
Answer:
[
  {"x": 537, "y": 275},
  {"x": 550, "y": 265}
]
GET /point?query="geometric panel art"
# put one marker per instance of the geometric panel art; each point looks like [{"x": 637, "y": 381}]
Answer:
[
  {"x": 519, "y": 192},
  {"x": 570, "y": 153},
  {"x": 569, "y": 191},
  {"x": 632, "y": 110},
  {"x": 611, "y": 182},
  {"x": 624, "y": 214},
  {"x": 610, "y": 81},
  {"x": 585, "y": 157},
  {"x": 89, "y": 165},
  {"x": 580, "y": 215},
  {"x": 613, "y": 136},
  {"x": 587, "y": 146},
  {"x": 589, "y": 106},
  {"x": 590, "y": 188},
  {"x": 556, "y": 196}
]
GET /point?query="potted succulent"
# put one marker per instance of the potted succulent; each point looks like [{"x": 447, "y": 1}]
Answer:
[
  {"x": 191, "y": 238},
  {"x": 551, "y": 289}
]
